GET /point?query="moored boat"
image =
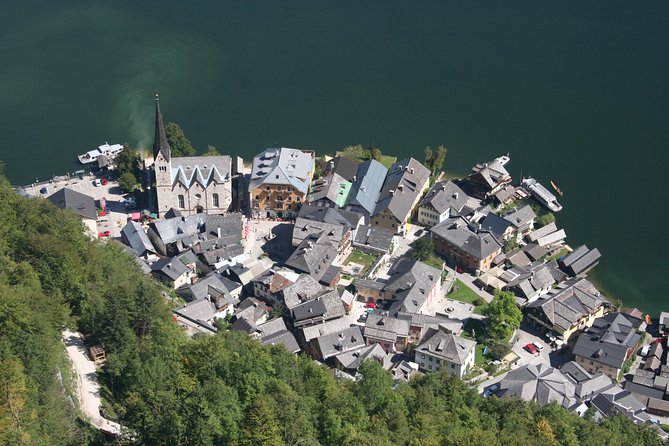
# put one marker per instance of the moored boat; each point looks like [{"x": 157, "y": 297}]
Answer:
[
  {"x": 556, "y": 188},
  {"x": 541, "y": 194},
  {"x": 110, "y": 151}
]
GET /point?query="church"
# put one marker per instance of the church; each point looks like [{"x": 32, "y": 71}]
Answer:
[{"x": 191, "y": 184}]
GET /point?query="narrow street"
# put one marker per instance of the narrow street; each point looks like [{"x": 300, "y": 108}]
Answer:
[{"x": 88, "y": 388}]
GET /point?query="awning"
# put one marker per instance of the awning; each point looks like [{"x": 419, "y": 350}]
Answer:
[{"x": 135, "y": 216}]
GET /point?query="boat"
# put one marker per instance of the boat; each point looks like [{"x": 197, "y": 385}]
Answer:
[
  {"x": 110, "y": 151},
  {"x": 541, "y": 194},
  {"x": 556, "y": 188}
]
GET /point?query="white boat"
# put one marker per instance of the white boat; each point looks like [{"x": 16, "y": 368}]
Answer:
[
  {"x": 543, "y": 195},
  {"x": 110, "y": 151}
]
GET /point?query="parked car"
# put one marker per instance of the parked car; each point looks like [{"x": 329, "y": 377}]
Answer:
[
  {"x": 370, "y": 305},
  {"x": 104, "y": 234},
  {"x": 96, "y": 182},
  {"x": 539, "y": 346},
  {"x": 104, "y": 181},
  {"x": 491, "y": 390},
  {"x": 530, "y": 348}
]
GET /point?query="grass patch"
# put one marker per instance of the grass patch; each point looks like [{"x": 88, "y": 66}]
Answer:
[
  {"x": 361, "y": 258},
  {"x": 360, "y": 154},
  {"x": 480, "y": 309},
  {"x": 557, "y": 255},
  {"x": 479, "y": 359},
  {"x": 471, "y": 327},
  {"x": 462, "y": 292}
]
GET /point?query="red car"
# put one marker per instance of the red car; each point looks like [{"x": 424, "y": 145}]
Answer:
[
  {"x": 531, "y": 348},
  {"x": 370, "y": 305},
  {"x": 104, "y": 234},
  {"x": 104, "y": 181}
]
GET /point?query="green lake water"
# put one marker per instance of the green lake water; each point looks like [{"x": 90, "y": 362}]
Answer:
[{"x": 577, "y": 92}]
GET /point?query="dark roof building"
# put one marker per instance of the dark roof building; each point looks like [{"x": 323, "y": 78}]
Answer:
[
  {"x": 465, "y": 245},
  {"x": 580, "y": 261},
  {"x": 313, "y": 256},
  {"x": 81, "y": 204},
  {"x": 334, "y": 186},
  {"x": 134, "y": 236},
  {"x": 572, "y": 306},
  {"x": 374, "y": 241}
]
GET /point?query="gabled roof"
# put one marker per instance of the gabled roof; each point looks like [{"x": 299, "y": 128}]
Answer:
[
  {"x": 373, "y": 238},
  {"x": 282, "y": 166},
  {"x": 198, "y": 310},
  {"x": 173, "y": 229},
  {"x": 496, "y": 224},
  {"x": 170, "y": 267},
  {"x": 284, "y": 338},
  {"x": 351, "y": 360},
  {"x": 539, "y": 383},
  {"x": 303, "y": 289},
  {"x": 386, "y": 328},
  {"x": 580, "y": 260},
  {"x": 313, "y": 256},
  {"x": 444, "y": 195},
  {"x": 204, "y": 286},
  {"x": 492, "y": 172},
  {"x": 335, "y": 343},
  {"x": 134, "y": 235},
  {"x": 456, "y": 231},
  {"x": 411, "y": 281},
  {"x": 448, "y": 346},
  {"x": 404, "y": 183},
  {"x": 542, "y": 231},
  {"x": 330, "y": 215},
  {"x": 202, "y": 170},
  {"x": 521, "y": 217},
  {"x": 336, "y": 182},
  {"x": 303, "y": 228},
  {"x": 81, "y": 204},
  {"x": 367, "y": 185},
  {"x": 570, "y": 301}
]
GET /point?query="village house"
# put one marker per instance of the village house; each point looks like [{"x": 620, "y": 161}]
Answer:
[
  {"x": 607, "y": 344},
  {"x": 350, "y": 361},
  {"x": 135, "y": 237},
  {"x": 314, "y": 256},
  {"x": 366, "y": 187},
  {"x": 443, "y": 199},
  {"x": 412, "y": 286},
  {"x": 464, "y": 245},
  {"x": 487, "y": 179},
  {"x": 82, "y": 205},
  {"x": 333, "y": 187},
  {"x": 405, "y": 184},
  {"x": 172, "y": 271},
  {"x": 579, "y": 261},
  {"x": 571, "y": 306},
  {"x": 280, "y": 180},
  {"x": 389, "y": 332},
  {"x": 339, "y": 225},
  {"x": 445, "y": 351},
  {"x": 328, "y": 346}
]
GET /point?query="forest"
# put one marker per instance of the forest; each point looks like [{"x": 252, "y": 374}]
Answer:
[{"x": 226, "y": 389}]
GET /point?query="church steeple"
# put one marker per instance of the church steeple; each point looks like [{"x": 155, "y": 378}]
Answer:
[{"x": 160, "y": 144}]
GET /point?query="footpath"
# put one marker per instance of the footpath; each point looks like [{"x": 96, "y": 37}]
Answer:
[{"x": 88, "y": 387}]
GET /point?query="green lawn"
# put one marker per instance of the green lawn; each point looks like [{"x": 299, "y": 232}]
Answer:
[
  {"x": 462, "y": 292},
  {"x": 557, "y": 255},
  {"x": 360, "y": 154},
  {"x": 479, "y": 359},
  {"x": 471, "y": 326},
  {"x": 362, "y": 258},
  {"x": 480, "y": 308}
]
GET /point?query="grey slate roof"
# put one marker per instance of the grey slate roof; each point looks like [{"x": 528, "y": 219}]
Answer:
[
  {"x": 335, "y": 343},
  {"x": 539, "y": 383},
  {"x": 457, "y": 232},
  {"x": 542, "y": 231},
  {"x": 335, "y": 183},
  {"x": 303, "y": 289},
  {"x": 199, "y": 310},
  {"x": 534, "y": 251},
  {"x": 282, "y": 166},
  {"x": 351, "y": 360},
  {"x": 386, "y": 328},
  {"x": 580, "y": 261},
  {"x": 570, "y": 301},
  {"x": 448, "y": 346},
  {"x": 304, "y": 228},
  {"x": 367, "y": 186},
  {"x": 521, "y": 218},
  {"x": 444, "y": 195},
  {"x": 404, "y": 183},
  {"x": 492, "y": 172},
  {"x": 201, "y": 288},
  {"x": 411, "y": 282},
  {"x": 373, "y": 239},
  {"x": 308, "y": 310},
  {"x": 313, "y": 256},
  {"x": 495, "y": 224},
  {"x": 81, "y": 204},
  {"x": 172, "y": 268},
  {"x": 178, "y": 228},
  {"x": 343, "y": 217},
  {"x": 575, "y": 371},
  {"x": 134, "y": 236},
  {"x": 588, "y": 346},
  {"x": 283, "y": 337},
  {"x": 202, "y": 170}
]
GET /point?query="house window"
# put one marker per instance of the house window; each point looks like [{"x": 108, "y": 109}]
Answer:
[
  {"x": 214, "y": 200},
  {"x": 181, "y": 202},
  {"x": 422, "y": 356},
  {"x": 298, "y": 199},
  {"x": 431, "y": 358},
  {"x": 162, "y": 168},
  {"x": 257, "y": 197},
  {"x": 452, "y": 366},
  {"x": 429, "y": 366}
]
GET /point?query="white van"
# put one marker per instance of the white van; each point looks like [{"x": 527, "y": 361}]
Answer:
[{"x": 97, "y": 182}]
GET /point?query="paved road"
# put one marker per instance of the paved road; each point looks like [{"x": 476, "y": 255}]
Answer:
[{"x": 88, "y": 388}]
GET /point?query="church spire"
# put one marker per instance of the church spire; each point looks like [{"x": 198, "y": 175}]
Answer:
[{"x": 160, "y": 143}]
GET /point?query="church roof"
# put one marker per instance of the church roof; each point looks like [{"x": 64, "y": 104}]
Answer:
[{"x": 202, "y": 170}]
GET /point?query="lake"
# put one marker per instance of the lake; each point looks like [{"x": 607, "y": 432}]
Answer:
[{"x": 577, "y": 92}]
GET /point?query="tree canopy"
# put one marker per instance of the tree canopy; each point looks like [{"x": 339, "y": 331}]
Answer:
[
  {"x": 504, "y": 316},
  {"x": 179, "y": 144},
  {"x": 224, "y": 389}
]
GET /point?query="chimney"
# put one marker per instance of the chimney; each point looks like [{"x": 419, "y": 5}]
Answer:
[
  {"x": 455, "y": 195},
  {"x": 401, "y": 187},
  {"x": 391, "y": 191},
  {"x": 354, "y": 177},
  {"x": 412, "y": 170},
  {"x": 218, "y": 232}
]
